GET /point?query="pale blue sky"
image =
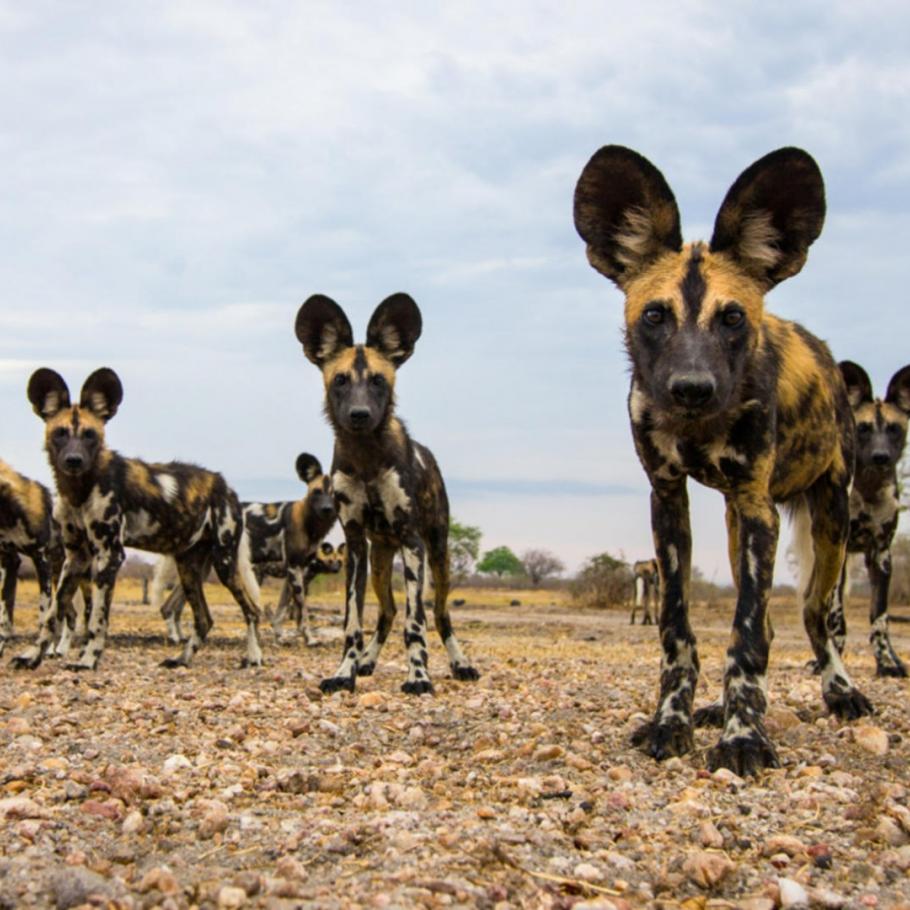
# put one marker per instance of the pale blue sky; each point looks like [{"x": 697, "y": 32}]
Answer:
[{"x": 178, "y": 177}]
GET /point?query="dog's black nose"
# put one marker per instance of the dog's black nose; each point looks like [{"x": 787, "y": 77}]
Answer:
[
  {"x": 327, "y": 511},
  {"x": 73, "y": 462},
  {"x": 692, "y": 390},
  {"x": 880, "y": 458},
  {"x": 359, "y": 417}
]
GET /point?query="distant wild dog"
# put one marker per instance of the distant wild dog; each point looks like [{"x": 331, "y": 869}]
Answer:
[
  {"x": 881, "y": 433},
  {"x": 388, "y": 488},
  {"x": 282, "y": 538},
  {"x": 646, "y": 578},
  {"x": 107, "y": 502},
  {"x": 26, "y": 529},
  {"x": 327, "y": 560},
  {"x": 744, "y": 402}
]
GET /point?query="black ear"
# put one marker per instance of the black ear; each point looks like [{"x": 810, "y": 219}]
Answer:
[
  {"x": 102, "y": 393},
  {"x": 322, "y": 329},
  {"x": 395, "y": 327},
  {"x": 856, "y": 379},
  {"x": 899, "y": 389},
  {"x": 625, "y": 212},
  {"x": 771, "y": 216},
  {"x": 48, "y": 393},
  {"x": 308, "y": 467}
]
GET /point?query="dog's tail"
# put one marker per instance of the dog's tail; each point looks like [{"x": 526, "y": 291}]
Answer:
[
  {"x": 639, "y": 591},
  {"x": 802, "y": 549},
  {"x": 245, "y": 568},
  {"x": 165, "y": 576}
]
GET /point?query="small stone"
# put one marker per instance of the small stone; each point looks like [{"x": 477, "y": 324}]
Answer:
[
  {"x": 547, "y": 752},
  {"x": 783, "y": 843},
  {"x": 728, "y": 777},
  {"x": 215, "y": 818},
  {"x": 587, "y": 872},
  {"x": 707, "y": 869},
  {"x": 74, "y": 887},
  {"x": 72, "y": 790},
  {"x": 824, "y": 897},
  {"x": 371, "y": 699},
  {"x": 231, "y": 897},
  {"x": 709, "y": 836},
  {"x": 490, "y": 756},
  {"x": 792, "y": 893},
  {"x": 111, "y": 809},
  {"x": 872, "y": 739},
  {"x": 288, "y": 867},
  {"x": 778, "y": 719},
  {"x": 133, "y": 823},
  {"x": 755, "y": 903},
  {"x": 890, "y": 832},
  {"x": 20, "y": 807},
  {"x": 486, "y": 812},
  {"x": 175, "y": 763},
  {"x": 160, "y": 878},
  {"x": 619, "y": 773}
]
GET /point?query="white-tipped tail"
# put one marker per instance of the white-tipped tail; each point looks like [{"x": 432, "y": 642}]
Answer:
[
  {"x": 639, "y": 591},
  {"x": 164, "y": 577},
  {"x": 802, "y": 546},
  {"x": 245, "y": 568}
]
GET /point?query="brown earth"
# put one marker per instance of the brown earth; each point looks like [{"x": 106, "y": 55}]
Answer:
[{"x": 136, "y": 786}]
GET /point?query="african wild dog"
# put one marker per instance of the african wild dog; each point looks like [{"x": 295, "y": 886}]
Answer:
[
  {"x": 388, "y": 488},
  {"x": 744, "y": 402},
  {"x": 327, "y": 560},
  {"x": 107, "y": 502},
  {"x": 26, "y": 528},
  {"x": 281, "y": 537},
  {"x": 646, "y": 578},
  {"x": 881, "y": 433}
]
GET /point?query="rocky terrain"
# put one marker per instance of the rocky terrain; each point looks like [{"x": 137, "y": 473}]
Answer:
[{"x": 141, "y": 787}]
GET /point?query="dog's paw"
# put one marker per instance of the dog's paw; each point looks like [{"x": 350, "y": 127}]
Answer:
[
  {"x": 710, "y": 716},
  {"x": 367, "y": 669},
  {"x": 417, "y": 687},
  {"x": 662, "y": 741},
  {"x": 337, "y": 684},
  {"x": 465, "y": 672},
  {"x": 848, "y": 704},
  {"x": 744, "y": 755},
  {"x": 896, "y": 669}
]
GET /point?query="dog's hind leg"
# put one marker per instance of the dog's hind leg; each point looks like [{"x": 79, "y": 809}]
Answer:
[
  {"x": 381, "y": 559},
  {"x": 438, "y": 559},
  {"x": 9, "y": 571},
  {"x": 670, "y": 731},
  {"x": 820, "y": 536},
  {"x": 192, "y": 568}
]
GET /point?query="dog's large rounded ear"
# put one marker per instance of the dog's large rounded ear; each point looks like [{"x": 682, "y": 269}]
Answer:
[
  {"x": 899, "y": 389},
  {"x": 856, "y": 379},
  {"x": 102, "y": 393},
  {"x": 395, "y": 327},
  {"x": 308, "y": 467},
  {"x": 625, "y": 212},
  {"x": 323, "y": 329},
  {"x": 48, "y": 393},
  {"x": 771, "y": 216}
]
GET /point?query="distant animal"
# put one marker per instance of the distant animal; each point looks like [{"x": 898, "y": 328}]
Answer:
[
  {"x": 881, "y": 435},
  {"x": 646, "y": 580},
  {"x": 107, "y": 502},
  {"x": 388, "y": 488},
  {"x": 283, "y": 541},
  {"x": 740, "y": 400},
  {"x": 26, "y": 529}
]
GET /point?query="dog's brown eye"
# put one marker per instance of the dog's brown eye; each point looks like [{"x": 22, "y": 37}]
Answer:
[
  {"x": 864, "y": 429},
  {"x": 340, "y": 380},
  {"x": 654, "y": 315},
  {"x": 89, "y": 435},
  {"x": 733, "y": 317},
  {"x": 893, "y": 429},
  {"x": 60, "y": 433},
  {"x": 377, "y": 380}
]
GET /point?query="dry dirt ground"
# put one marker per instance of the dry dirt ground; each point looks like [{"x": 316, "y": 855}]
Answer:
[{"x": 136, "y": 786}]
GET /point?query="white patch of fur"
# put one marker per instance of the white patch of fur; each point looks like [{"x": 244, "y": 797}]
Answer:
[
  {"x": 356, "y": 493},
  {"x": 245, "y": 569},
  {"x": 673, "y": 556},
  {"x": 164, "y": 576},
  {"x": 51, "y": 404},
  {"x": 758, "y": 240},
  {"x": 168, "y": 484},
  {"x": 390, "y": 340},
  {"x": 639, "y": 591},
  {"x": 636, "y": 404},
  {"x": 392, "y": 494},
  {"x": 419, "y": 458},
  {"x": 327, "y": 343},
  {"x": 635, "y": 239},
  {"x": 98, "y": 403},
  {"x": 140, "y": 525},
  {"x": 803, "y": 549}
]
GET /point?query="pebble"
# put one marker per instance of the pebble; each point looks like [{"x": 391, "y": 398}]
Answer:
[
  {"x": 133, "y": 823},
  {"x": 709, "y": 836},
  {"x": 792, "y": 893},
  {"x": 231, "y": 897},
  {"x": 707, "y": 869},
  {"x": 371, "y": 699},
  {"x": 587, "y": 872},
  {"x": 72, "y": 887},
  {"x": 783, "y": 843},
  {"x": 175, "y": 763},
  {"x": 20, "y": 807},
  {"x": 547, "y": 752},
  {"x": 872, "y": 739}
]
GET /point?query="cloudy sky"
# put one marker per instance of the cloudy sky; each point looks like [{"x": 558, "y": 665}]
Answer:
[{"x": 178, "y": 177}]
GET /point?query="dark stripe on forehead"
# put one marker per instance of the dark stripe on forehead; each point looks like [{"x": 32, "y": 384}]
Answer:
[
  {"x": 360, "y": 360},
  {"x": 693, "y": 286}
]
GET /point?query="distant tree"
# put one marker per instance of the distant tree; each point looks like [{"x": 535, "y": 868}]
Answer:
[
  {"x": 603, "y": 580},
  {"x": 464, "y": 548},
  {"x": 499, "y": 562},
  {"x": 541, "y": 564}
]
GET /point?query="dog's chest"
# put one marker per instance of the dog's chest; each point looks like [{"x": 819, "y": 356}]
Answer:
[
  {"x": 379, "y": 504},
  {"x": 718, "y": 463},
  {"x": 873, "y": 520}
]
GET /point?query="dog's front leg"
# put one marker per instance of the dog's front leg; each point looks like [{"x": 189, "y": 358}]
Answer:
[
  {"x": 887, "y": 663},
  {"x": 670, "y": 732},
  {"x": 9, "y": 570},
  {"x": 355, "y": 571},
  {"x": 108, "y": 558},
  {"x": 415, "y": 620},
  {"x": 744, "y": 746}
]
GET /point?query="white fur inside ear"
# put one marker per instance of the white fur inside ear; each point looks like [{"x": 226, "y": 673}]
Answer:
[
  {"x": 327, "y": 343},
  {"x": 390, "y": 340},
  {"x": 51, "y": 404},
  {"x": 758, "y": 240},
  {"x": 98, "y": 403}
]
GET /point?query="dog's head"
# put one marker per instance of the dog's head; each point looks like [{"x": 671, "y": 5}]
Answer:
[
  {"x": 319, "y": 499},
  {"x": 881, "y": 425},
  {"x": 329, "y": 558},
  {"x": 693, "y": 312},
  {"x": 74, "y": 434},
  {"x": 359, "y": 379}
]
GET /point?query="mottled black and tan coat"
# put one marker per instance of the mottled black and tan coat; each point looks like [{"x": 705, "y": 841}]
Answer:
[
  {"x": 646, "y": 582},
  {"x": 881, "y": 434},
  {"x": 282, "y": 539},
  {"x": 107, "y": 502},
  {"x": 740, "y": 400},
  {"x": 26, "y": 529},
  {"x": 388, "y": 488}
]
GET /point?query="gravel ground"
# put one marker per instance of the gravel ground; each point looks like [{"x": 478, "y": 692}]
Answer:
[{"x": 137, "y": 786}]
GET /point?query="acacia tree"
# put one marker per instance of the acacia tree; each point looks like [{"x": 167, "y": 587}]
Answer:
[
  {"x": 541, "y": 564},
  {"x": 602, "y": 581},
  {"x": 500, "y": 561},
  {"x": 464, "y": 548}
]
